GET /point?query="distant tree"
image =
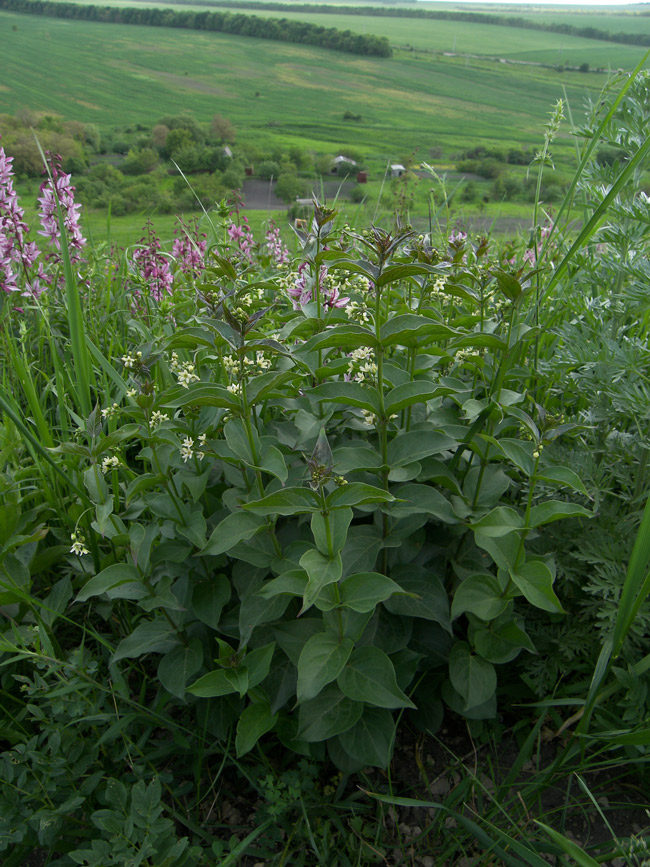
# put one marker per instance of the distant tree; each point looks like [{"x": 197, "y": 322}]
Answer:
[
  {"x": 222, "y": 129},
  {"x": 289, "y": 187},
  {"x": 139, "y": 162},
  {"x": 159, "y": 136}
]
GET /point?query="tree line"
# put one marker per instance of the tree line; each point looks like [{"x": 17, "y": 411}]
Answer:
[
  {"x": 438, "y": 15},
  {"x": 279, "y": 29}
]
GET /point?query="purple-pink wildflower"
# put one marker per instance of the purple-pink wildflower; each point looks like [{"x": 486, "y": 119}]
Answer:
[
  {"x": 241, "y": 233},
  {"x": 15, "y": 251},
  {"x": 58, "y": 188},
  {"x": 152, "y": 265},
  {"x": 189, "y": 249},
  {"x": 457, "y": 238},
  {"x": 278, "y": 250}
]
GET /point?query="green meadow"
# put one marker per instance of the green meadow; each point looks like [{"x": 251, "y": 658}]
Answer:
[
  {"x": 461, "y": 37},
  {"x": 112, "y": 74}
]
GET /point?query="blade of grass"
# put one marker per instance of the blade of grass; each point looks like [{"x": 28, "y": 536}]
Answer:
[
  {"x": 598, "y": 215},
  {"x": 568, "y": 847},
  {"x": 567, "y": 201}
]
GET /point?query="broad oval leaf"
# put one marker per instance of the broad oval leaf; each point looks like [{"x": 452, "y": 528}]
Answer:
[
  {"x": 370, "y": 676},
  {"x": 471, "y": 676},
  {"x": 321, "y": 661}
]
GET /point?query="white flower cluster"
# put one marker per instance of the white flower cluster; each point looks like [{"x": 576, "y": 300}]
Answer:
[
  {"x": 463, "y": 355},
  {"x": 358, "y": 312},
  {"x": 110, "y": 411},
  {"x": 157, "y": 418},
  {"x": 110, "y": 462},
  {"x": 438, "y": 288},
  {"x": 362, "y": 366},
  {"x": 187, "y": 449},
  {"x": 78, "y": 545},
  {"x": 252, "y": 296},
  {"x": 186, "y": 374},
  {"x": 132, "y": 361}
]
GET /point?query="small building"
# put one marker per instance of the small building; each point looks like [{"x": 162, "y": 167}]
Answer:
[
  {"x": 362, "y": 177},
  {"x": 342, "y": 165},
  {"x": 227, "y": 152},
  {"x": 397, "y": 170}
]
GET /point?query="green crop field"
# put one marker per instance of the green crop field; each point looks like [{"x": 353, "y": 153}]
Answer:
[
  {"x": 113, "y": 74},
  {"x": 461, "y": 37}
]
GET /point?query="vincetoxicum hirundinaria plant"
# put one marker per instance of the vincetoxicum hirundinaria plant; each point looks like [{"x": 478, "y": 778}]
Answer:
[{"x": 316, "y": 498}]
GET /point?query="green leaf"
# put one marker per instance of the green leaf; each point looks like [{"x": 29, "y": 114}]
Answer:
[
  {"x": 348, "y": 459},
  {"x": 370, "y": 741},
  {"x": 364, "y": 590},
  {"x": 504, "y": 550},
  {"x": 199, "y": 394},
  {"x": 291, "y": 583},
  {"x": 410, "y": 393},
  {"x": 535, "y": 580},
  {"x": 153, "y": 636},
  {"x": 347, "y": 393},
  {"x": 288, "y": 501},
  {"x": 408, "y": 447},
  {"x": 212, "y": 684},
  {"x": 408, "y": 327},
  {"x": 471, "y": 676},
  {"x": 501, "y": 642},
  {"x": 321, "y": 662},
  {"x": 321, "y": 571},
  {"x": 237, "y": 527},
  {"x": 119, "y": 581},
  {"x": 208, "y": 599},
  {"x": 562, "y": 476},
  {"x": 431, "y": 602},
  {"x": 400, "y": 271},
  {"x": 357, "y": 494},
  {"x": 361, "y": 549},
  {"x": 423, "y": 499},
  {"x": 238, "y": 442},
  {"x": 264, "y": 385},
  {"x": 499, "y": 522},
  {"x": 573, "y": 850},
  {"x": 258, "y": 663},
  {"x": 329, "y": 714},
  {"x": 518, "y": 453},
  {"x": 292, "y": 635},
  {"x": 344, "y": 336},
  {"x": 555, "y": 510},
  {"x": 338, "y": 521},
  {"x": 480, "y": 594},
  {"x": 273, "y": 463},
  {"x": 178, "y": 665},
  {"x": 254, "y": 721},
  {"x": 370, "y": 676}
]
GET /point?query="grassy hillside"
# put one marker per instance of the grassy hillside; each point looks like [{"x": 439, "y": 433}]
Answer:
[
  {"x": 471, "y": 38},
  {"x": 115, "y": 74}
]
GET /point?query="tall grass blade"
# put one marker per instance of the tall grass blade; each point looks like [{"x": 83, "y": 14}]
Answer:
[
  {"x": 6, "y": 407},
  {"x": 569, "y": 848},
  {"x": 567, "y": 201},
  {"x": 588, "y": 230}
]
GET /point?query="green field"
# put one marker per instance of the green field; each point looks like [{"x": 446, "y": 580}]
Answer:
[
  {"x": 113, "y": 74},
  {"x": 530, "y": 46}
]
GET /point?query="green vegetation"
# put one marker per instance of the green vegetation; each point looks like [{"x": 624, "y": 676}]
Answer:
[
  {"x": 246, "y": 25},
  {"x": 283, "y": 529}
]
